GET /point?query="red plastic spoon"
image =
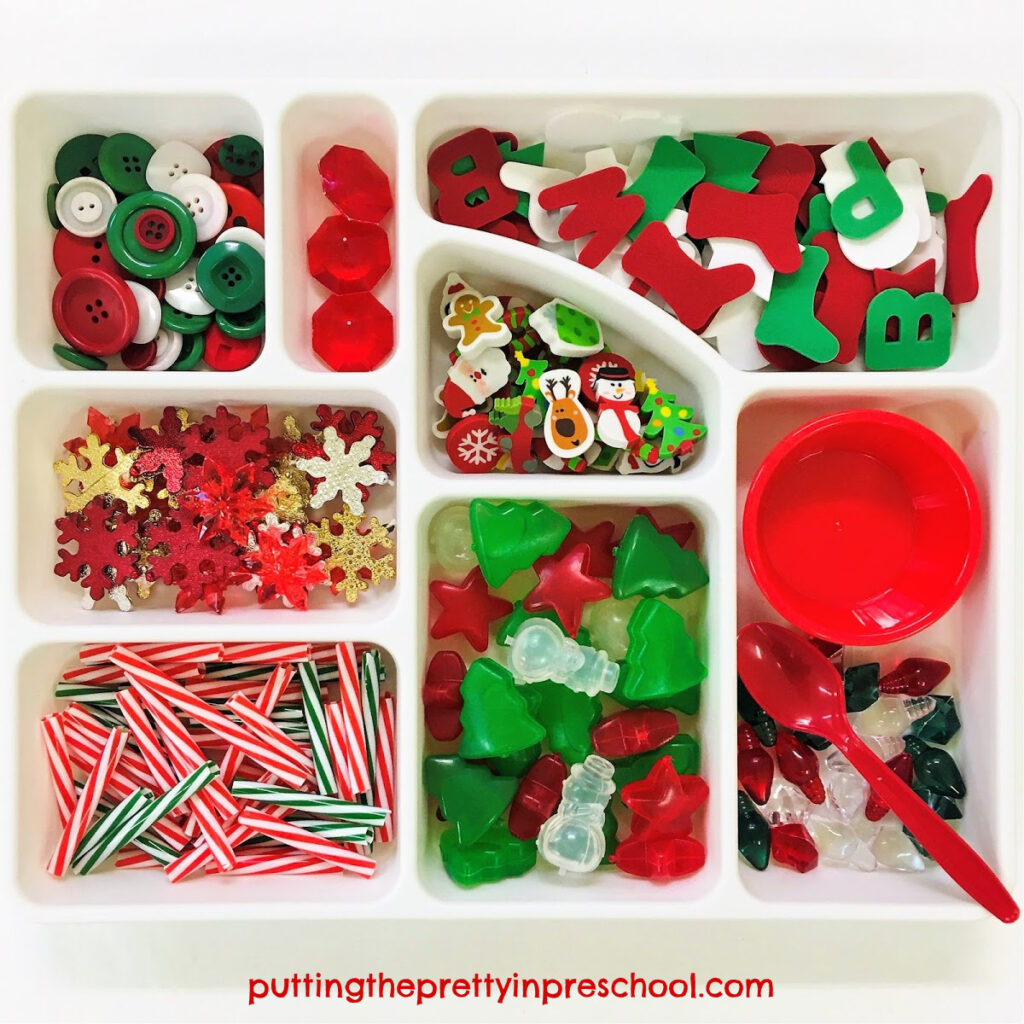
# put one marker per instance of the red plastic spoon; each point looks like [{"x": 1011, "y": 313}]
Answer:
[{"x": 799, "y": 687}]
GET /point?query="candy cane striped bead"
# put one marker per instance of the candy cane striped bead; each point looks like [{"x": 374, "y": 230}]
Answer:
[
  {"x": 350, "y": 690},
  {"x": 384, "y": 782},
  {"x": 339, "y": 755},
  {"x": 92, "y": 654},
  {"x": 146, "y": 739},
  {"x": 265, "y": 653},
  {"x": 61, "y": 774},
  {"x": 266, "y": 730},
  {"x": 316, "y": 721},
  {"x": 305, "y": 842},
  {"x": 269, "y": 694}
]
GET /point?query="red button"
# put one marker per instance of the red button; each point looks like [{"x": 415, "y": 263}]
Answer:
[
  {"x": 224, "y": 353},
  {"x": 72, "y": 251},
  {"x": 155, "y": 230},
  {"x": 138, "y": 357},
  {"x": 95, "y": 311},
  {"x": 244, "y": 209}
]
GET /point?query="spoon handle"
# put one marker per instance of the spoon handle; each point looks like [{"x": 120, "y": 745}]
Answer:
[{"x": 946, "y": 847}]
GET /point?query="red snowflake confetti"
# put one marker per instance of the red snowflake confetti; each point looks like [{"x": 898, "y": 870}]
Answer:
[
  {"x": 106, "y": 538},
  {"x": 116, "y": 433}
]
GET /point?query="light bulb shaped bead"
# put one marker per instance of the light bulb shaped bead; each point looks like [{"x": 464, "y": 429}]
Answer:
[
  {"x": 845, "y": 788},
  {"x": 893, "y": 849},
  {"x": 892, "y": 716},
  {"x": 573, "y": 840},
  {"x": 786, "y": 805},
  {"x": 839, "y": 843},
  {"x": 885, "y": 747}
]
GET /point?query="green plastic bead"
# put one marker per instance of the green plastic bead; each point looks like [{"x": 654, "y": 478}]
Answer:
[
  {"x": 945, "y": 808},
  {"x": 79, "y": 359},
  {"x": 728, "y": 161},
  {"x": 473, "y": 799},
  {"x": 941, "y": 725},
  {"x": 127, "y": 250},
  {"x": 683, "y": 749},
  {"x": 755, "y": 836},
  {"x": 788, "y": 318},
  {"x": 437, "y": 769},
  {"x": 508, "y": 628},
  {"x": 860, "y": 686},
  {"x": 935, "y": 769},
  {"x": 51, "y": 205},
  {"x": 509, "y": 536},
  {"x": 670, "y": 172},
  {"x": 249, "y": 324},
  {"x": 241, "y": 155},
  {"x": 819, "y": 218},
  {"x": 908, "y": 351},
  {"x": 872, "y": 189},
  {"x": 755, "y": 716},
  {"x": 79, "y": 158},
  {"x": 451, "y": 540},
  {"x": 192, "y": 348},
  {"x": 515, "y": 764},
  {"x": 497, "y": 855},
  {"x": 184, "y": 323},
  {"x": 652, "y": 564},
  {"x": 533, "y": 155},
  {"x": 937, "y": 202},
  {"x": 567, "y": 717},
  {"x": 814, "y": 742},
  {"x": 495, "y": 718},
  {"x": 231, "y": 276},
  {"x": 123, "y": 159},
  {"x": 662, "y": 660},
  {"x": 608, "y": 623}
]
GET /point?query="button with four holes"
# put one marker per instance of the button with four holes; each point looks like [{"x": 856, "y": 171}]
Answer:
[
  {"x": 184, "y": 293},
  {"x": 71, "y": 251},
  {"x": 204, "y": 199},
  {"x": 241, "y": 155},
  {"x": 95, "y": 311},
  {"x": 154, "y": 230},
  {"x": 139, "y": 258},
  {"x": 123, "y": 159},
  {"x": 230, "y": 276}
]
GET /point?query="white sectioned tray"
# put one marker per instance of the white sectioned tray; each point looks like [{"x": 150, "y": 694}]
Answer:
[{"x": 972, "y": 402}]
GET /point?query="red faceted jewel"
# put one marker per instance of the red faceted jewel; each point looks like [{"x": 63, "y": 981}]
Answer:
[
  {"x": 600, "y": 540},
  {"x": 348, "y": 255},
  {"x": 793, "y": 847},
  {"x": 353, "y": 332},
  {"x": 355, "y": 184},
  {"x": 648, "y": 856},
  {"x": 442, "y": 695},
  {"x": 538, "y": 796},
  {"x": 467, "y": 608},
  {"x": 633, "y": 732},
  {"x": 565, "y": 586}
]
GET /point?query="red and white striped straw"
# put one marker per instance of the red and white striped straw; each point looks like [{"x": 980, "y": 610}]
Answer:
[
  {"x": 146, "y": 740},
  {"x": 282, "y": 864},
  {"x": 135, "y": 859},
  {"x": 384, "y": 778},
  {"x": 336, "y": 741},
  {"x": 350, "y": 689},
  {"x": 307, "y": 842},
  {"x": 265, "y": 653},
  {"x": 92, "y": 654},
  {"x": 105, "y": 674},
  {"x": 87, "y": 734},
  {"x": 145, "y": 675},
  {"x": 261, "y": 726},
  {"x": 269, "y": 694},
  {"x": 78, "y": 824},
  {"x": 61, "y": 773}
]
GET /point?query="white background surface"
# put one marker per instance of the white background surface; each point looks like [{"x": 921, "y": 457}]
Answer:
[{"x": 841, "y": 971}]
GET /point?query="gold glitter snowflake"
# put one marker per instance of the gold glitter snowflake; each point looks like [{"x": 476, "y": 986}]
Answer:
[{"x": 347, "y": 541}]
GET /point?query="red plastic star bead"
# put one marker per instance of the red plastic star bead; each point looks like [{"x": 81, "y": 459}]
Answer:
[
  {"x": 467, "y": 608},
  {"x": 679, "y": 532},
  {"x": 565, "y": 586},
  {"x": 598, "y": 538},
  {"x": 664, "y": 801}
]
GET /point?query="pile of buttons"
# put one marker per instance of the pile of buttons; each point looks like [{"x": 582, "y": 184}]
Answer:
[
  {"x": 569, "y": 717},
  {"x": 160, "y": 253},
  {"x": 538, "y": 387},
  {"x": 220, "y": 503},
  {"x": 809, "y": 802},
  {"x": 349, "y": 254},
  {"x": 775, "y": 253}
]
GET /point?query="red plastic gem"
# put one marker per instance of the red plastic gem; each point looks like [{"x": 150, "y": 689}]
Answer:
[
  {"x": 348, "y": 255},
  {"x": 474, "y": 444},
  {"x": 844, "y": 303},
  {"x": 793, "y": 847},
  {"x": 565, "y": 586},
  {"x": 286, "y": 565},
  {"x": 633, "y": 732},
  {"x": 353, "y": 332},
  {"x": 671, "y": 856},
  {"x": 903, "y": 765},
  {"x": 482, "y": 181},
  {"x": 799, "y": 764},
  {"x": 962, "y": 217},
  {"x": 600, "y": 540},
  {"x": 914, "y": 677},
  {"x": 665, "y": 801},
  {"x": 355, "y": 184},
  {"x": 442, "y": 696},
  {"x": 538, "y": 796},
  {"x": 754, "y": 766},
  {"x": 467, "y": 608}
]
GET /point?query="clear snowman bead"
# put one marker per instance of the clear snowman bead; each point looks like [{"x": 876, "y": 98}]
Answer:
[{"x": 572, "y": 840}]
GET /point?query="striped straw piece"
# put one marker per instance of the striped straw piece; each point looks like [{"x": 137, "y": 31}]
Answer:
[
  {"x": 265, "y": 653},
  {"x": 133, "y": 859},
  {"x": 384, "y": 785},
  {"x": 61, "y": 773},
  {"x": 160, "y": 852},
  {"x": 131, "y": 769},
  {"x": 350, "y": 690},
  {"x": 312, "y": 803},
  {"x": 111, "y": 675},
  {"x": 371, "y": 676},
  {"x": 86, "y": 694},
  {"x": 283, "y": 864},
  {"x": 92, "y": 654},
  {"x": 338, "y": 831},
  {"x": 146, "y": 739},
  {"x": 109, "y": 824},
  {"x": 336, "y": 741},
  {"x": 316, "y": 722},
  {"x": 261, "y": 726},
  {"x": 304, "y": 842}
]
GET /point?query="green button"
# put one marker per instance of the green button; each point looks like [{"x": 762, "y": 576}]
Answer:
[
  {"x": 192, "y": 348},
  {"x": 230, "y": 276},
  {"x": 79, "y": 158},
  {"x": 136, "y": 258},
  {"x": 249, "y": 324},
  {"x": 76, "y": 358},
  {"x": 123, "y": 159},
  {"x": 184, "y": 323},
  {"x": 51, "y": 205},
  {"x": 241, "y": 155}
]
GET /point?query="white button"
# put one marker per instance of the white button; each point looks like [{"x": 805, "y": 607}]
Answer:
[
  {"x": 168, "y": 348},
  {"x": 205, "y": 200},
  {"x": 149, "y": 313},
  {"x": 247, "y": 237},
  {"x": 183, "y": 293},
  {"x": 84, "y": 206},
  {"x": 171, "y": 161}
]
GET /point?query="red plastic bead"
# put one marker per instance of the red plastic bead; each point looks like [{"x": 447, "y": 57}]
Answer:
[
  {"x": 355, "y": 184},
  {"x": 598, "y": 538},
  {"x": 229, "y": 354},
  {"x": 353, "y": 332},
  {"x": 914, "y": 677},
  {"x": 467, "y": 608},
  {"x": 442, "y": 696},
  {"x": 70, "y": 252},
  {"x": 633, "y": 732},
  {"x": 95, "y": 311},
  {"x": 665, "y": 801},
  {"x": 799, "y": 764},
  {"x": 538, "y": 796},
  {"x": 648, "y": 856},
  {"x": 348, "y": 255},
  {"x": 754, "y": 765},
  {"x": 478, "y": 148},
  {"x": 793, "y": 847},
  {"x": 244, "y": 208},
  {"x": 903, "y": 765},
  {"x": 565, "y": 586},
  {"x": 961, "y": 218}
]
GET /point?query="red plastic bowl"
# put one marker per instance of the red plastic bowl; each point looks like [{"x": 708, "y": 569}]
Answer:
[{"x": 862, "y": 527}]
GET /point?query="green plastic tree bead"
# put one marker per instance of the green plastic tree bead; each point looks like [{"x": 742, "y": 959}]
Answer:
[
  {"x": 872, "y": 189},
  {"x": 473, "y": 799},
  {"x": 508, "y": 628},
  {"x": 515, "y": 764},
  {"x": 653, "y": 564},
  {"x": 941, "y": 725},
  {"x": 437, "y": 768},
  {"x": 670, "y": 172},
  {"x": 909, "y": 351},
  {"x": 728, "y": 161},
  {"x": 495, "y": 718},
  {"x": 935, "y": 769},
  {"x": 860, "y": 686},
  {"x": 788, "y": 319},
  {"x": 497, "y": 855},
  {"x": 567, "y": 717},
  {"x": 509, "y": 536},
  {"x": 755, "y": 840},
  {"x": 686, "y": 702},
  {"x": 755, "y": 716},
  {"x": 683, "y": 749},
  {"x": 662, "y": 659},
  {"x": 819, "y": 218}
]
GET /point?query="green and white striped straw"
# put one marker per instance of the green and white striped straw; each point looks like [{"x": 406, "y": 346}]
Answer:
[
  {"x": 229, "y": 670},
  {"x": 156, "y": 848},
  {"x": 371, "y": 676},
  {"x": 110, "y": 823},
  {"x": 341, "y": 832},
  {"x": 151, "y": 814},
  {"x": 86, "y": 694},
  {"x": 316, "y": 722},
  {"x": 313, "y": 803}
]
